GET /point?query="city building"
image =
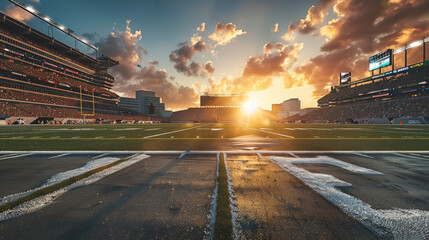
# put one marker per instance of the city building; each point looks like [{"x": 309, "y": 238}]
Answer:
[
  {"x": 146, "y": 103},
  {"x": 287, "y": 108}
]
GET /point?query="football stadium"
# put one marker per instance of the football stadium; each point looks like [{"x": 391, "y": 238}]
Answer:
[{"x": 79, "y": 161}]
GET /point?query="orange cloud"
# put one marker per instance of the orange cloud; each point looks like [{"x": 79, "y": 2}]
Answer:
[
  {"x": 361, "y": 29},
  {"x": 224, "y": 34},
  {"x": 18, "y": 13},
  {"x": 202, "y": 27},
  {"x": 259, "y": 70},
  {"x": 123, "y": 47},
  {"x": 275, "y": 28},
  {"x": 315, "y": 15}
]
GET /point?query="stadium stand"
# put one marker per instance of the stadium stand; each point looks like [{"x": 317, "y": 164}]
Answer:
[
  {"x": 41, "y": 77},
  {"x": 400, "y": 95}
]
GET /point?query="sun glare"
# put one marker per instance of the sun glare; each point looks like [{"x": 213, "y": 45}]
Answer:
[{"x": 249, "y": 107}]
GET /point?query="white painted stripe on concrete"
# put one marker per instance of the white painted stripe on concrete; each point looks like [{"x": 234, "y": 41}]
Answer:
[
  {"x": 409, "y": 156},
  {"x": 180, "y": 130},
  {"x": 183, "y": 154},
  {"x": 43, "y": 201},
  {"x": 15, "y": 156},
  {"x": 211, "y": 218},
  {"x": 283, "y": 135},
  {"x": 396, "y": 222},
  {"x": 57, "y": 156},
  {"x": 364, "y": 155},
  {"x": 101, "y": 155}
]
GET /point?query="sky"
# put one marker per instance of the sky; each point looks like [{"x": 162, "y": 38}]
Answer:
[{"x": 273, "y": 50}]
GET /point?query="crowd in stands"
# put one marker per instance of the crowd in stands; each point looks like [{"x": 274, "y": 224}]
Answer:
[
  {"x": 415, "y": 76},
  {"x": 37, "y": 97},
  {"x": 400, "y": 107},
  {"x": 44, "y": 74}
]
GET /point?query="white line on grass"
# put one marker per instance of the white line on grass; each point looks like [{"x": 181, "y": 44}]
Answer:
[
  {"x": 180, "y": 130},
  {"x": 283, "y": 135}
]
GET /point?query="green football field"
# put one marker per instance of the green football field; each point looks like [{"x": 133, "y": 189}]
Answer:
[{"x": 214, "y": 137}]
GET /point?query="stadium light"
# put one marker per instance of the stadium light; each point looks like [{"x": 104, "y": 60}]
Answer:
[
  {"x": 399, "y": 50},
  {"x": 67, "y": 31},
  {"x": 415, "y": 44}
]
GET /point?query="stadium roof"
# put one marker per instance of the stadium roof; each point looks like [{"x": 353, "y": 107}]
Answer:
[{"x": 26, "y": 31}]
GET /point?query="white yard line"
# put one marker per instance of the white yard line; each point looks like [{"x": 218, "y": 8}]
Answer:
[
  {"x": 183, "y": 154},
  {"x": 57, "y": 156},
  {"x": 180, "y": 130},
  {"x": 283, "y": 135},
  {"x": 15, "y": 156},
  {"x": 152, "y": 129},
  {"x": 101, "y": 155},
  {"x": 364, "y": 155},
  {"x": 408, "y": 156},
  {"x": 293, "y": 155},
  {"x": 211, "y": 218},
  {"x": 43, "y": 201},
  {"x": 396, "y": 222}
]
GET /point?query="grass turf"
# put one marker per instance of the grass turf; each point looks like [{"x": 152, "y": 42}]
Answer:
[
  {"x": 215, "y": 136},
  {"x": 223, "y": 224}
]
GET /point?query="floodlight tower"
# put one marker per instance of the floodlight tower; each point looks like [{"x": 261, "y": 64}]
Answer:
[{"x": 60, "y": 27}]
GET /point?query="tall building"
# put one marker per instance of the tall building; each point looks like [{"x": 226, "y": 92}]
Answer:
[
  {"x": 287, "y": 108},
  {"x": 145, "y": 102}
]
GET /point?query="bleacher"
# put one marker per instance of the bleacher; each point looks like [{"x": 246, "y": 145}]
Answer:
[
  {"x": 41, "y": 77},
  {"x": 402, "y": 95}
]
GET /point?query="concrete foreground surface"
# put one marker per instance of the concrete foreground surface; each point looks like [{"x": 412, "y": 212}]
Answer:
[{"x": 169, "y": 195}]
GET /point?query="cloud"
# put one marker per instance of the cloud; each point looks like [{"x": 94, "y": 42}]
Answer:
[
  {"x": 123, "y": 47},
  {"x": 315, "y": 15},
  {"x": 208, "y": 67},
  {"x": 272, "y": 61},
  {"x": 202, "y": 27},
  {"x": 18, "y": 13},
  {"x": 275, "y": 28},
  {"x": 361, "y": 29},
  {"x": 182, "y": 57},
  {"x": 224, "y": 34},
  {"x": 259, "y": 70}
]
